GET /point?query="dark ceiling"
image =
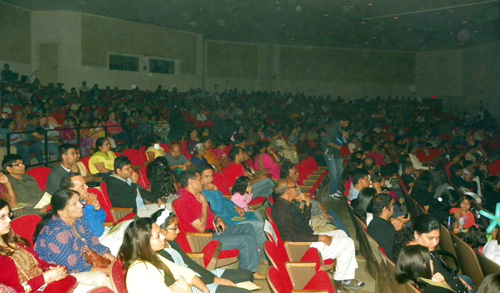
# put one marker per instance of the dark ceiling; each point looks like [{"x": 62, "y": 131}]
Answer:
[{"x": 390, "y": 24}]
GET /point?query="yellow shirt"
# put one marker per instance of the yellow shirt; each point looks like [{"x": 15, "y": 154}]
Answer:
[
  {"x": 158, "y": 152},
  {"x": 99, "y": 157}
]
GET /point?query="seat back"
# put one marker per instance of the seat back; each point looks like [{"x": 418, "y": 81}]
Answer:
[
  {"x": 104, "y": 201},
  {"x": 134, "y": 156},
  {"x": 142, "y": 153},
  {"x": 85, "y": 161},
  {"x": 279, "y": 282},
  {"x": 487, "y": 265},
  {"x": 469, "y": 263},
  {"x": 117, "y": 277},
  {"x": 25, "y": 226},
  {"x": 391, "y": 275},
  {"x": 411, "y": 289},
  {"x": 143, "y": 178},
  {"x": 41, "y": 174},
  {"x": 382, "y": 280},
  {"x": 101, "y": 289},
  {"x": 300, "y": 273},
  {"x": 276, "y": 256},
  {"x": 445, "y": 241},
  {"x": 198, "y": 241}
]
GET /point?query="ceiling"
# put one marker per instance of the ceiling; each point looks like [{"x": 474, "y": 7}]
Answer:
[{"x": 413, "y": 25}]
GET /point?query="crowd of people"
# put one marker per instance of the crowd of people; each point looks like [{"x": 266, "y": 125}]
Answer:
[{"x": 253, "y": 140}]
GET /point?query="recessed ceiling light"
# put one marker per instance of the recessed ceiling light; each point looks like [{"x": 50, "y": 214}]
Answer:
[
  {"x": 421, "y": 41},
  {"x": 464, "y": 22},
  {"x": 293, "y": 39},
  {"x": 363, "y": 22},
  {"x": 396, "y": 18},
  {"x": 451, "y": 10},
  {"x": 451, "y": 33},
  {"x": 409, "y": 29},
  {"x": 374, "y": 38},
  {"x": 370, "y": 4},
  {"x": 326, "y": 15},
  {"x": 475, "y": 32},
  {"x": 192, "y": 23}
]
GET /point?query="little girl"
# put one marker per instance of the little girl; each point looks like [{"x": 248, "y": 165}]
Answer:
[
  {"x": 242, "y": 193},
  {"x": 464, "y": 218}
]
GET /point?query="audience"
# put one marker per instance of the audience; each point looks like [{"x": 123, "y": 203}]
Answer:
[
  {"x": 67, "y": 153},
  {"x": 102, "y": 161}
]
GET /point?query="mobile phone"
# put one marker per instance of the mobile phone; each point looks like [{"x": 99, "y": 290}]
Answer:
[
  {"x": 218, "y": 230},
  {"x": 406, "y": 216}
]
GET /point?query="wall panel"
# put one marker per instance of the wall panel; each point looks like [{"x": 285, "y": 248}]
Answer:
[
  {"x": 15, "y": 34},
  {"x": 232, "y": 60}
]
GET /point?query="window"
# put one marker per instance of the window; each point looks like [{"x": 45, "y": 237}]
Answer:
[
  {"x": 161, "y": 66},
  {"x": 125, "y": 63}
]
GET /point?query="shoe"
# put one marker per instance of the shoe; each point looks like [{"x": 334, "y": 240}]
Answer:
[
  {"x": 337, "y": 195},
  {"x": 352, "y": 284},
  {"x": 339, "y": 287},
  {"x": 259, "y": 276}
]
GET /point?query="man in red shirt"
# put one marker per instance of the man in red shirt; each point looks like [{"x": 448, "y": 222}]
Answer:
[
  {"x": 194, "y": 215},
  {"x": 261, "y": 184}
]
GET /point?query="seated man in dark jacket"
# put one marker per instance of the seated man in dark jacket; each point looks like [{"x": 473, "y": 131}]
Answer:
[
  {"x": 293, "y": 225},
  {"x": 124, "y": 192}
]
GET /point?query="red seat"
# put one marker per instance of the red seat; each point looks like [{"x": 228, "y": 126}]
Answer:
[
  {"x": 85, "y": 161},
  {"x": 106, "y": 205},
  {"x": 41, "y": 174},
  {"x": 142, "y": 152},
  {"x": 221, "y": 183},
  {"x": 134, "y": 156},
  {"x": 165, "y": 147},
  {"x": 25, "y": 226},
  {"x": 117, "y": 277},
  {"x": 143, "y": 178},
  {"x": 184, "y": 147},
  {"x": 117, "y": 154}
]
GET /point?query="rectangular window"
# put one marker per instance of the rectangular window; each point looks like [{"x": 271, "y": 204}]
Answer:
[
  {"x": 125, "y": 63},
  {"x": 161, "y": 66}
]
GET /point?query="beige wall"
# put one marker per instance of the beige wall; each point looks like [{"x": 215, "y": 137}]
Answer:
[
  {"x": 481, "y": 78},
  {"x": 15, "y": 34}
]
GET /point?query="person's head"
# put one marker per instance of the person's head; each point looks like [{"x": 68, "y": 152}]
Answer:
[
  {"x": 412, "y": 149},
  {"x": 205, "y": 132},
  {"x": 237, "y": 155},
  {"x": 344, "y": 122},
  {"x": 33, "y": 119},
  {"x": 168, "y": 222},
  {"x": 71, "y": 121},
  {"x": 457, "y": 170},
  {"x": 490, "y": 284},
  {"x": 103, "y": 145},
  {"x": 10, "y": 124},
  {"x": 414, "y": 262},
  {"x": 75, "y": 182},
  {"x": 360, "y": 179},
  {"x": 123, "y": 167},
  {"x": 207, "y": 174},
  {"x": 67, "y": 154},
  {"x": 407, "y": 167},
  {"x": 262, "y": 146},
  {"x": 383, "y": 206},
  {"x": 448, "y": 199},
  {"x": 364, "y": 202},
  {"x": 206, "y": 141},
  {"x": 6, "y": 232},
  {"x": 466, "y": 202},
  {"x": 377, "y": 179},
  {"x": 175, "y": 150},
  {"x": 199, "y": 150},
  {"x": 6, "y": 66},
  {"x": 142, "y": 240},
  {"x": 153, "y": 140},
  {"x": 191, "y": 180},
  {"x": 13, "y": 165},
  {"x": 369, "y": 164},
  {"x": 66, "y": 204},
  {"x": 474, "y": 236},
  {"x": 193, "y": 133},
  {"x": 289, "y": 170},
  {"x": 491, "y": 183},
  {"x": 424, "y": 185},
  {"x": 287, "y": 189},
  {"x": 426, "y": 231},
  {"x": 242, "y": 186}
]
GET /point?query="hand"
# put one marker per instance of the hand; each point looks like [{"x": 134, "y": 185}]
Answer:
[
  {"x": 3, "y": 179},
  {"x": 403, "y": 219},
  {"x": 55, "y": 274},
  {"x": 325, "y": 239},
  {"x": 134, "y": 177},
  {"x": 438, "y": 278},
  {"x": 326, "y": 215},
  {"x": 211, "y": 187},
  {"x": 225, "y": 282},
  {"x": 240, "y": 211},
  {"x": 303, "y": 198},
  {"x": 221, "y": 223},
  {"x": 398, "y": 225},
  {"x": 201, "y": 199},
  {"x": 161, "y": 203}
]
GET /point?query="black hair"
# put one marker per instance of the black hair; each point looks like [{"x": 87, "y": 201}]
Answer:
[
  {"x": 58, "y": 202},
  {"x": 240, "y": 186},
  {"x": 377, "y": 178},
  {"x": 100, "y": 142},
  {"x": 203, "y": 167},
  {"x": 121, "y": 162},
  {"x": 425, "y": 224},
  {"x": 185, "y": 176},
  {"x": 455, "y": 168},
  {"x": 350, "y": 167},
  {"x": 8, "y": 160},
  {"x": 379, "y": 202},
  {"x": 490, "y": 183},
  {"x": 234, "y": 152},
  {"x": 66, "y": 182},
  {"x": 285, "y": 169},
  {"x": 364, "y": 202},
  {"x": 358, "y": 174},
  {"x": 10, "y": 238},
  {"x": 167, "y": 221},
  {"x": 162, "y": 179},
  {"x": 405, "y": 165},
  {"x": 7, "y": 122},
  {"x": 474, "y": 236},
  {"x": 368, "y": 163},
  {"x": 64, "y": 148},
  {"x": 446, "y": 200},
  {"x": 414, "y": 263}
]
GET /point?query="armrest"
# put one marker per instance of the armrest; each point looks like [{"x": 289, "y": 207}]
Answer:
[
  {"x": 320, "y": 281},
  {"x": 211, "y": 254},
  {"x": 198, "y": 241},
  {"x": 108, "y": 224},
  {"x": 309, "y": 183},
  {"x": 308, "y": 291},
  {"x": 296, "y": 250},
  {"x": 197, "y": 257},
  {"x": 300, "y": 273},
  {"x": 119, "y": 213},
  {"x": 227, "y": 196},
  {"x": 18, "y": 211}
]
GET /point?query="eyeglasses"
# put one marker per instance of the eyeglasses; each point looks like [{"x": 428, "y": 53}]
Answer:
[
  {"x": 293, "y": 187},
  {"x": 10, "y": 215},
  {"x": 172, "y": 229},
  {"x": 17, "y": 165}
]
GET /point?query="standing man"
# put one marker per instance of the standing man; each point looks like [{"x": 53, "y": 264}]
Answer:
[
  {"x": 335, "y": 139},
  {"x": 67, "y": 154}
]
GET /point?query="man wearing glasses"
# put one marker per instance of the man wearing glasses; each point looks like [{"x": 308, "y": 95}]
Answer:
[
  {"x": 293, "y": 225},
  {"x": 23, "y": 188}
]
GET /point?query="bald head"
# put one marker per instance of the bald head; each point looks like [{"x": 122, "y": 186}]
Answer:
[{"x": 287, "y": 189}]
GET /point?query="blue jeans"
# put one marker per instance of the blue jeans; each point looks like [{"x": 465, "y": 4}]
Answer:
[
  {"x": 468, "y": 280},
  {"x": 241, "y": 237},
  {"x": 335, "y": 167},
  {"x": 263, "y": 188},
  {"x": 258, "y": 226},
  {"x": 337, "y": 222}
]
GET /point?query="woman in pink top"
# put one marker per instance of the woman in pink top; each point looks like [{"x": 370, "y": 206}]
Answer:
[
  {"x": 242, "y": 192},
  {"x": 266, "y": 160},
  {"x": 114, "y": 129}
]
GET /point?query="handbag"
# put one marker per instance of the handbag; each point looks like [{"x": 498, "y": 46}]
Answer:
[
  {"x": 181, "y": 286},
  {"x": 321, "y": 225},
  {"x": 95, "y": 259}
]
